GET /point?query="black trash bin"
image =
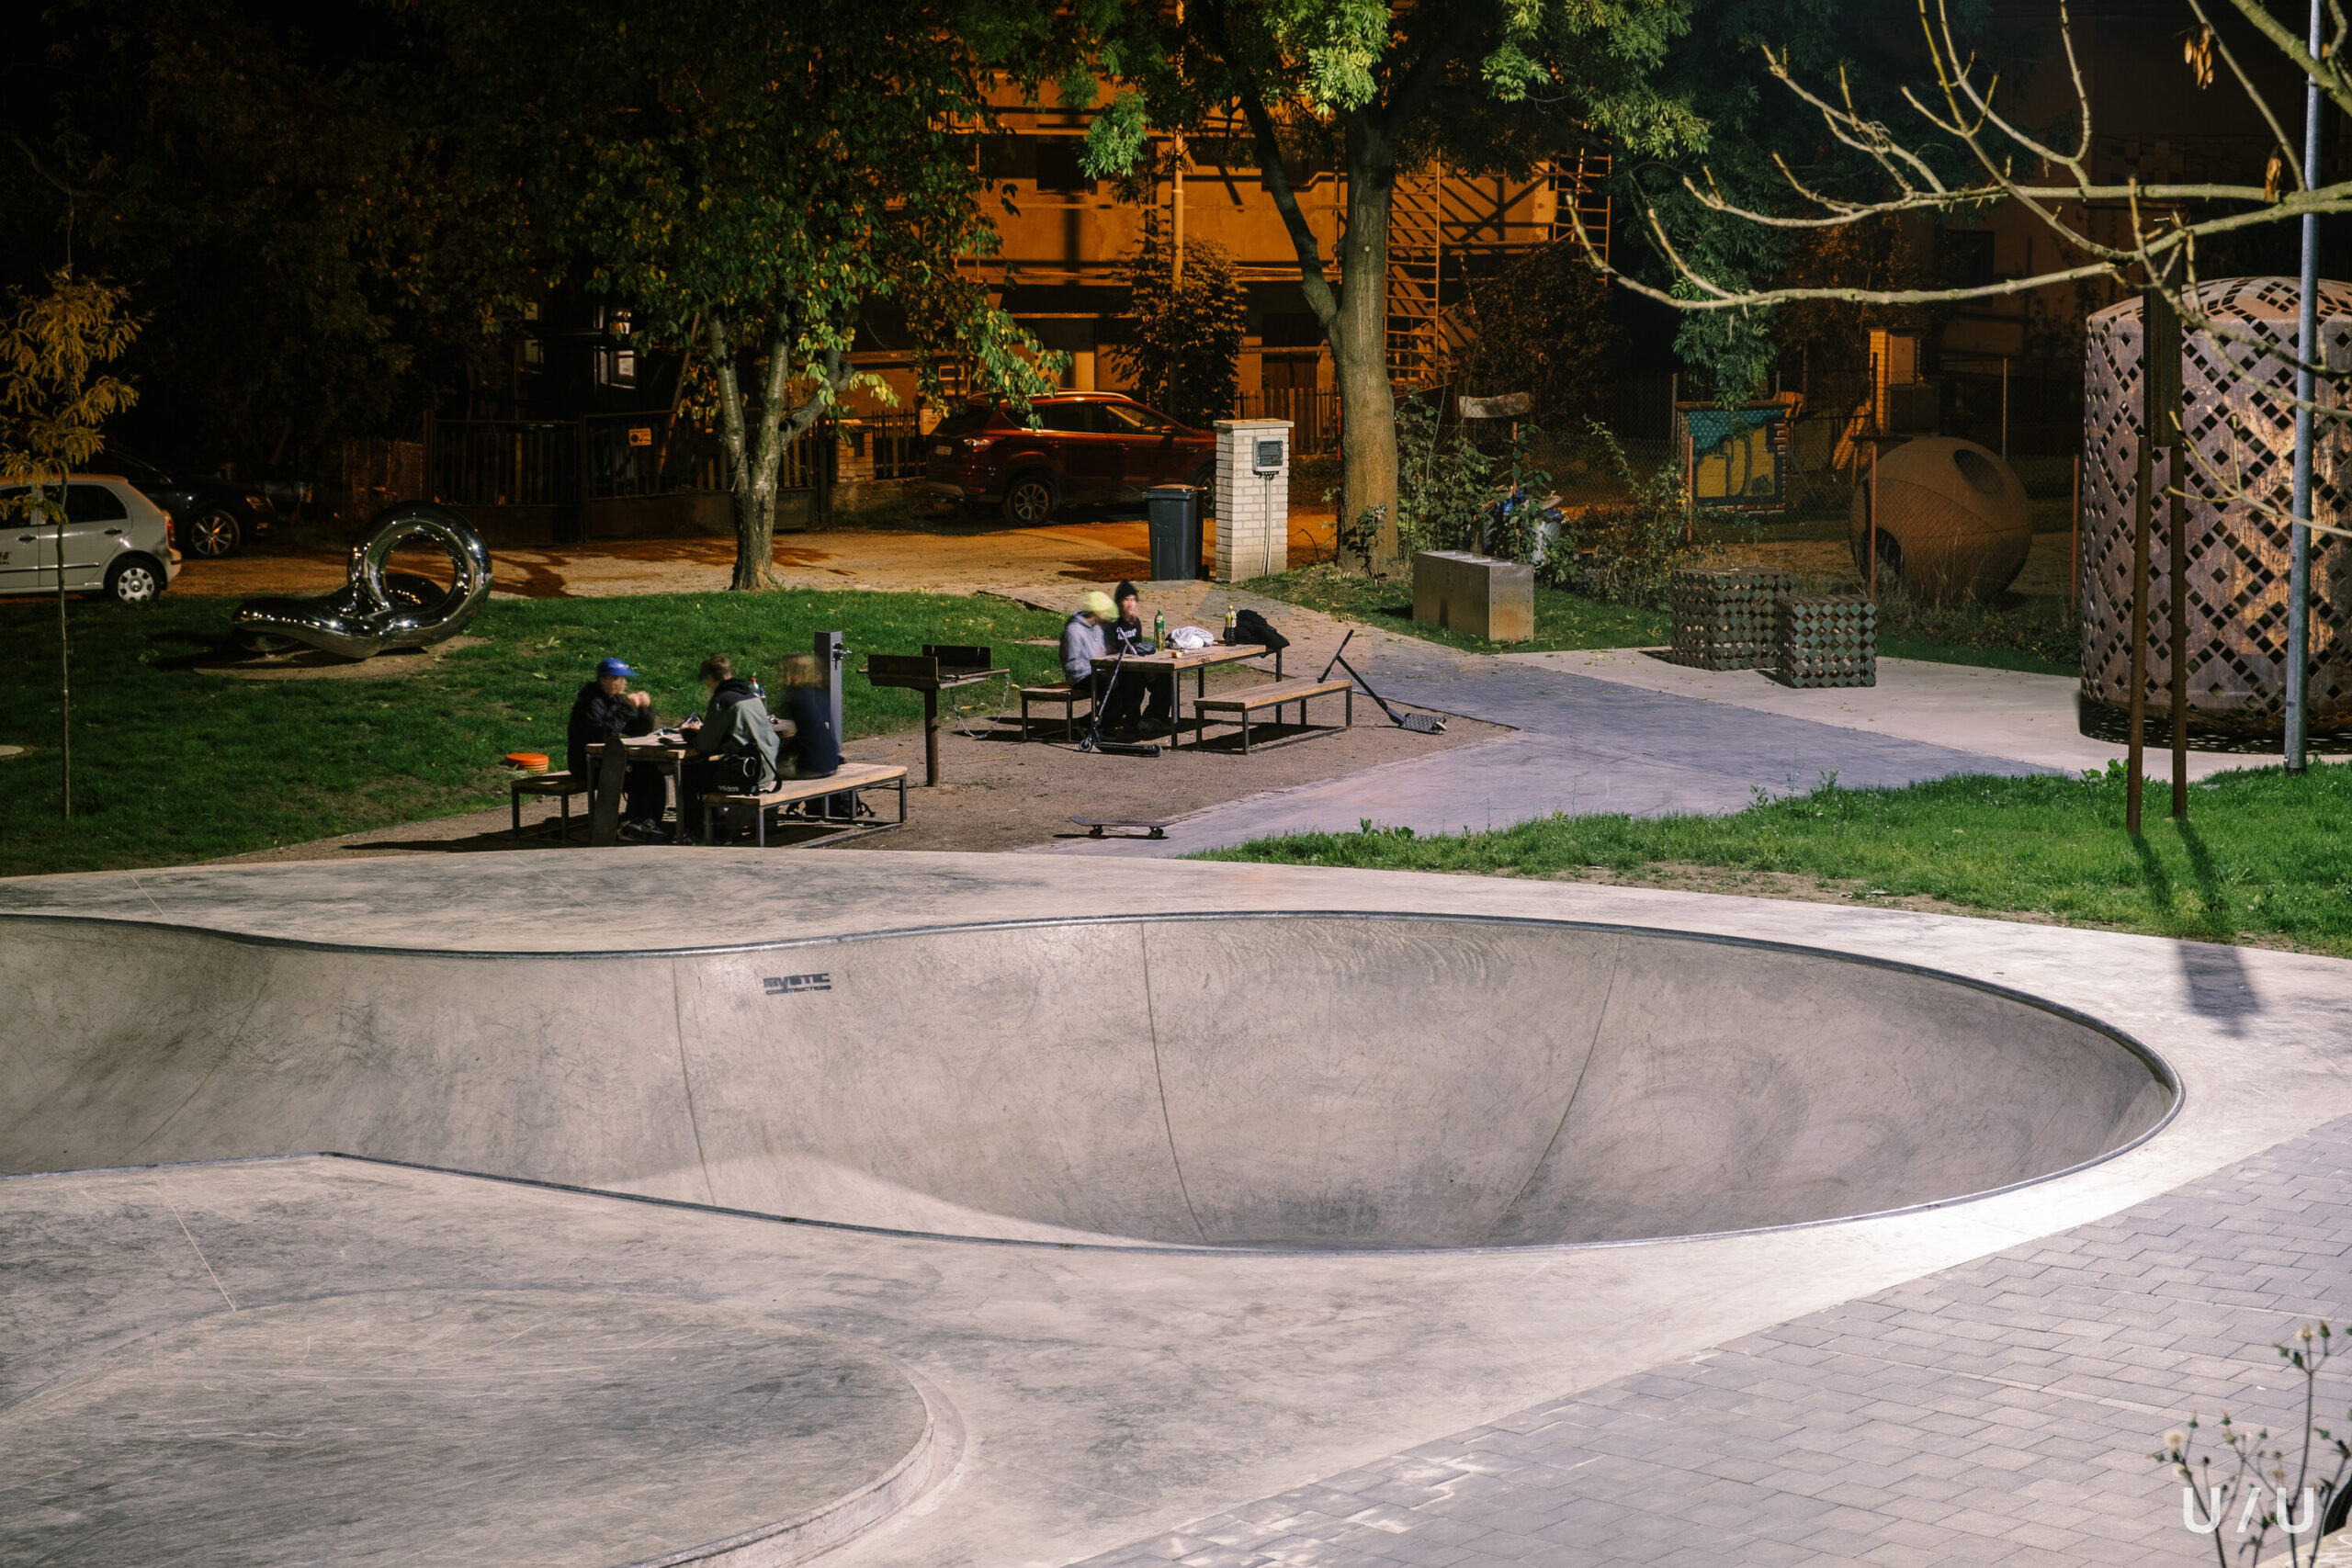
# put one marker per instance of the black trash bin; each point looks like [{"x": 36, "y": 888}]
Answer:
[{"x": 1174, "y": 511}]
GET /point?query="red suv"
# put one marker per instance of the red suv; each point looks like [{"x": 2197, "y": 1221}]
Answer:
[{"x": 1094, "y": 447}]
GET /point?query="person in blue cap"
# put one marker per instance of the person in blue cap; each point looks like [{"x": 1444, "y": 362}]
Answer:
[{"x": 608, "y": 710}]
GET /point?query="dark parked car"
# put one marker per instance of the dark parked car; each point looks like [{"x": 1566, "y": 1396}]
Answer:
[
  {"x": 210, "y": 517},
  {"x": 1094, "y": 447}
]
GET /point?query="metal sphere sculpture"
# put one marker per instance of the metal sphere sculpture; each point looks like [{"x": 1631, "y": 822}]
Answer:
[
  {"x": 379, "y": 611},
  {"x": 1953, "y": 520},
  {"x": 2238, "y": 411}
]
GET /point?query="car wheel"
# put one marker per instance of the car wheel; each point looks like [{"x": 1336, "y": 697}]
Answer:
[
  {"x": 1205, "y": 481},
  {"x": 214, "y": 534},
  {"x": 1030, "y": 499},
  {"x": 134, "y": 579}
]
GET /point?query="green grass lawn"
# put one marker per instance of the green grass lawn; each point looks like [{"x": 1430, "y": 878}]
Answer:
[
  {"x": 2033, "y": 635},
  {"x": 2264, "y": 857},
  {"x": 173, "y": 764}
]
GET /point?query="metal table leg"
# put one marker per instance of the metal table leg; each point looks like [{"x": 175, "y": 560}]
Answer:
[{"x": 931, "y": 739}]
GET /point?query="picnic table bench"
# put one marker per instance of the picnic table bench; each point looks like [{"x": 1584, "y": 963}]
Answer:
[
  {"x": 560, "y": 783},
  {"x": 1171, "y": 663},
  {"x": 849, "y": 779},
  {"x": 1248, "y": 701},
  {"x": 1070, "y": 696}
]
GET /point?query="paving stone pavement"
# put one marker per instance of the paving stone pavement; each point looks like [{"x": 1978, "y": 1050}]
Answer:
[
  {"x": 1582, "y": 745},
  {"x": 2000, "y": 1412}
]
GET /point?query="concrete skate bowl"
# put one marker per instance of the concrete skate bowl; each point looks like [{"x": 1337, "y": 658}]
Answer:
[{"x": 1327, "y": 1081}]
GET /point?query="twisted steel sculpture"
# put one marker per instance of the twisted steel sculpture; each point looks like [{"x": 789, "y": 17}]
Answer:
[{"x": 379, "y": 611}]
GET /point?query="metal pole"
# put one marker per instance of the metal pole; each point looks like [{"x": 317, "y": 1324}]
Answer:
[
  {"x": 2151, "y": 308},
  {"x": 2005, "y": 409},
  {"x": 2176, "y": 567},
  {"x": 1873, "y": 522},
  {"x": 829, "y": 655},
  {"x": 64, "y": 665},
  {"x": 2298, "y": 572}
]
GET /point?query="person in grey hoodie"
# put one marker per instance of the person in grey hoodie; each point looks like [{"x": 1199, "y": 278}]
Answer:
[
  {"x": 734, "y": 745},
  {"x": 1085, "y": 637}
]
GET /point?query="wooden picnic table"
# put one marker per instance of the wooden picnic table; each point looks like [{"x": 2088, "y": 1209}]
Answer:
[
  {"x": 603, "y": 818},
  {"x": 1175, "y": 661}
]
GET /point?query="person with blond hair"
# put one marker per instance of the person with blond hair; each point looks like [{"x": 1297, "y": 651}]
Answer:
[{"x": 815, "y": 751}]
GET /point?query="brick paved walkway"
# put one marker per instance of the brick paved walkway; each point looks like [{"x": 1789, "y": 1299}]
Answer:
[{"x": 1997, "y": 1412}]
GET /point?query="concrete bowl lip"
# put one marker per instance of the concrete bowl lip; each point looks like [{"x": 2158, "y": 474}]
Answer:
[{"x": 2159, "y": 1067}]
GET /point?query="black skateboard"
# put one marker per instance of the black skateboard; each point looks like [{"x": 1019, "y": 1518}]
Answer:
[{"x": 1094, "y": 829}]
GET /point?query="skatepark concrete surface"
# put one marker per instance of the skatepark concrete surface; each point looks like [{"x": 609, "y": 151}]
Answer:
[
  {"x": 1584, "y": 743},
  {"x": 684, "y": 1206},
  {"x": 1614, "y": 730},
  {"x": 2010, "y": 713}
]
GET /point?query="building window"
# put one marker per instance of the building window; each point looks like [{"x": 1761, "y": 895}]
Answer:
[
  {"x": 617, "y": 367},
  {"x": 1008, "y": 157},
  {"x": 1058, "y": 166}
]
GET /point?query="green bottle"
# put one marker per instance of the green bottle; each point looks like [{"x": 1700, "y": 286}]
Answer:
[{"x": 1159, "y": 630}]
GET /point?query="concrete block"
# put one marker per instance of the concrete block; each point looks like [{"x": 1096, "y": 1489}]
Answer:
[{"x": 1477, "y": 594}]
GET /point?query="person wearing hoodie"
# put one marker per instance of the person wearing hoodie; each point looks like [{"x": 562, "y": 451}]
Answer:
[
  {"x": 733, "y": 744},
  {"x": 1135, "y": 688},
  {"x": 1087, "y": 654}
]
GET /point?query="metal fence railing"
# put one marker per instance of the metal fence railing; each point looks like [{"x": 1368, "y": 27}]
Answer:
[
  {"x": 495, "y": 462},
  {"x": 891, "y": 443},
  {"x": 1314, "y": 415}
]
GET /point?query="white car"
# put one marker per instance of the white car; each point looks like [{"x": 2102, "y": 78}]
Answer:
[{"x": 118, "y": 543}]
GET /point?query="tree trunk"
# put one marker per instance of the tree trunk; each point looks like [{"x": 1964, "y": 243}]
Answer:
[
  {"x": 754, "y": 453},
  {"x": 1358, "y": 331}
]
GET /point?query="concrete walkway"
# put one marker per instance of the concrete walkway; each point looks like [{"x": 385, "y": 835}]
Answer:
[
  {"x": 1999, "y": 713},
  {"x": 1604, "y": 730},
  {"x": 1583, "y": 745},
  {"x": 1987, "y": 1414}
]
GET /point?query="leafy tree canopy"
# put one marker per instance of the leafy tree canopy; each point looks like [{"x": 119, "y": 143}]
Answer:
[{"x": 756, "y": 173}]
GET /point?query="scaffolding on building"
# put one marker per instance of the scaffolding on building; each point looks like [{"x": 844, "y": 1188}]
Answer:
[
  {"x": 1416, "y": 226},
  {"x": 1580, "y": 201}
]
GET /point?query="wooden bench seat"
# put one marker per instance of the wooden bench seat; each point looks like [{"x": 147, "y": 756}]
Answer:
[
  {"x": 850, "y": 778},
  {"x": 560, "y": 784},
  {"x": 1248, "y": 701},
  {"x": 1070, "y": 696}
]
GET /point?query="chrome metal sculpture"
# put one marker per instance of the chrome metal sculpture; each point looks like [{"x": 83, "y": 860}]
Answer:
[{"x": 379, "y": 611}]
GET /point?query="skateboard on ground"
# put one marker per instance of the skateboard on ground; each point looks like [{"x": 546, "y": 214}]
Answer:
[{"x": 1094, "y": 829}]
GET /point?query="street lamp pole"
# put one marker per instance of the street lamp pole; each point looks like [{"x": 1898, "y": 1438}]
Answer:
[{"x": 2298, "y": 572}]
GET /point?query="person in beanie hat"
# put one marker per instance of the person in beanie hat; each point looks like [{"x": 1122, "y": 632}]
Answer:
[{"x": 1136, "y": 689}]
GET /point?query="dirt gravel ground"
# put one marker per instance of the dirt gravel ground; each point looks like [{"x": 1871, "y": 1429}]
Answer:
[
  {"x": 998, "y": 793},
  {"x": 929, "y": 556}
]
